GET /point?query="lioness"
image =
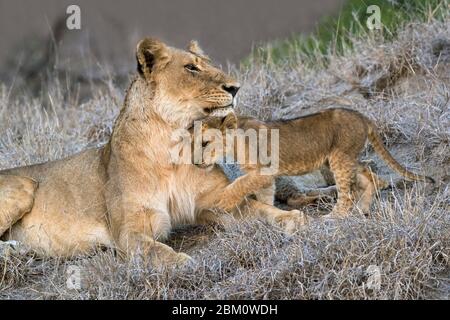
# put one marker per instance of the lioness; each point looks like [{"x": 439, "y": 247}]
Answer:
[
  {"x": 334, "y": 137},
  {"x": 128, "y": 194}
]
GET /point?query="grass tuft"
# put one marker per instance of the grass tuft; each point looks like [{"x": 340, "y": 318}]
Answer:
[{"x": 335, "y": 34}]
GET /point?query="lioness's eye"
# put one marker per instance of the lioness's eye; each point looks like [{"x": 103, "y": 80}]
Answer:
[{"x": 192, "y": 68}]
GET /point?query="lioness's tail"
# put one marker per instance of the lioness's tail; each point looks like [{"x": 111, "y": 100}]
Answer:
[{"x": 379, "y": 148}]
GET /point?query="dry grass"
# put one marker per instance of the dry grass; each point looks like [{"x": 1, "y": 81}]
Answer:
[{"x": 403, "y": 86}]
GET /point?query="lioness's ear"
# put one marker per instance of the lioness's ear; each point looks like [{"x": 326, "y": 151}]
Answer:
[
  {"x": 194, "y": 48},
  {"x": 150, "y": 54}
]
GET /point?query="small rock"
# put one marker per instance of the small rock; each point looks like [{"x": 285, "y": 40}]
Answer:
[{"x": 9, "y": 247}]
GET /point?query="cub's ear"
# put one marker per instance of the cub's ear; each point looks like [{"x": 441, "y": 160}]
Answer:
[
  {"x": 230, "y": 121},
  {"x": 194, "y": 48},
  {"x": 151, "y": 54}
]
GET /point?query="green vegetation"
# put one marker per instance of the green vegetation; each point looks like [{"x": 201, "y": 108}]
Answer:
[{"x": 335, "y": 34}]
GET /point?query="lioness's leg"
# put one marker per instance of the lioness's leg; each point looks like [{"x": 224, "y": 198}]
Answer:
[
  {"x": 327, "y": 174},
  {"x": 266, "y": 195},
  {"x": 211, "y": 216},
  {"x": 16, "y": 199},
  {"x": 288, "y": 220},
  {"x": 234, "y": 193},
  {"x": 139, "y": 235},
  {"x": 367, "y": 184},
  {"x": 245, "y": 207},
  {"x": 343, "y": 168}
]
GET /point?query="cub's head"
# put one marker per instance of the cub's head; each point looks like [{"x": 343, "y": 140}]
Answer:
[
  {"x": 213, "y": 139},
  {"x": 186, "y": 86}
]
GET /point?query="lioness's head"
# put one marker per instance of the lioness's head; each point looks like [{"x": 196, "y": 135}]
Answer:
[{"x": 186, "y": 86}]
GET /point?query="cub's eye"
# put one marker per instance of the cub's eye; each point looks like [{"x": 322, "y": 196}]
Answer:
[{"x": 191, "y": 68}]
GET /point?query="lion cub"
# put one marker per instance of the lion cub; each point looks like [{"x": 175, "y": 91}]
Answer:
[
  {"x": 333, "y": 137},
  {"x": 364, "y": 187}
]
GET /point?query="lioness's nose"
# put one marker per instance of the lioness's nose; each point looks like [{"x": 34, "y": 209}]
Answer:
[{"x": 232, "y": 89}]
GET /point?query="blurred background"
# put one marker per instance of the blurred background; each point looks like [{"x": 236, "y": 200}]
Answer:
[
  {"x": 226, "y": 29},
  {"x": 34, "y": 35},
  {"x": 37, "y": 49}
]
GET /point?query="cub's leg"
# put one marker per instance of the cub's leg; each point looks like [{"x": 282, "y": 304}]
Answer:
[
  {"x": 16, "y": 198},
  {"x": 139, "y": 235},
  {"x": 364, "y": 192},
  {"x": 303, "y": 199},
  {"x": 344, "y": 170},
  {"x": 289, "y": 221},
  {"x": 366, "y": 185},
  {"x": 288, "y": 191},
  {"x": 327, "y": 174}
]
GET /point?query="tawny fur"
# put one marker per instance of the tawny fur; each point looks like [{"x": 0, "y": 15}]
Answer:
[
  {"x": 335, "y": 137},
  {"x": 129, "y": 194}
]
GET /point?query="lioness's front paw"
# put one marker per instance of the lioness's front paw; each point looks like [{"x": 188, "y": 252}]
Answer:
[
  {"x": 182, "y": 259},
  {"x": 291, "y": 221},
  {"x": 173, "y": 260}
]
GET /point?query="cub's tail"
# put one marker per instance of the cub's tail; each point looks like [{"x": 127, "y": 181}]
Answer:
[{"x": 377, "y": 143}]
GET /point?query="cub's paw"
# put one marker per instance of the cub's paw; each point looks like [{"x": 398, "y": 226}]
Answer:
[{"x": 334, "y": 215}]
